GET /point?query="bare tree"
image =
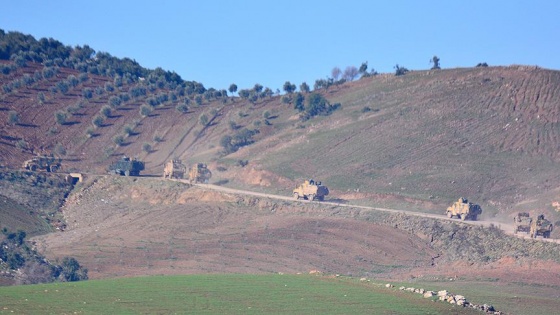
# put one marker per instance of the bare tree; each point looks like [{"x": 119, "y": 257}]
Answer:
[
  {"x": 350, "y": 73},
  {"x": 335, "y": 73}
]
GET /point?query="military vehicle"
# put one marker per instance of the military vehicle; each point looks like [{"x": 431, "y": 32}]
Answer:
[
  {"x": 463, "y": 209},
  {"x": 174, "y": 169},
  {"x": 42, "y": 163},
  {"x": 310, "y": 190},
  {"x": 522, "y": 222},
  {"x": 199, "y": 173},
  {"x": 127, "y": 167},
  {"x": 540, "y": 227}
]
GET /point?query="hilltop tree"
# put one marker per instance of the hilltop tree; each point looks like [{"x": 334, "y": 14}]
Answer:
[
  {"x": 435, "y": 61},
  {"x": 335, "y": 73},
  {"x": 258, "y": 88},
  {"x": 304, "y": 88},
  {"x": 289, "y": 87},
  {"x": 232, "y": 88},
  {"x": 363, "y": 68},
  {"x": 350, "y": 73}
]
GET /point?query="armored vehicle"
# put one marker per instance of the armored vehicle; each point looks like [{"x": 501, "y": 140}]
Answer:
[
  {"x": 540, "y": 226},
  {"x": 522, "y": 223},
  {"x": 127, "y": 167},
  {"x": 174, "y": 169},
  {"x": 199, "y": 173},
  {"x": 310, "y": 190},
  {"x": 463, "y": 209},
  {"x": 42, "y": 163}
]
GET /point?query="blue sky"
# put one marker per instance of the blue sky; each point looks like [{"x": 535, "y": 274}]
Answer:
[{"x": 270, "y": 42}]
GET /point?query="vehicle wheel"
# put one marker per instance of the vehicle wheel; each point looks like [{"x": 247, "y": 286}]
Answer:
[
  {"x": 296, "y": 196},
  {"x": 311, "y": 197}
]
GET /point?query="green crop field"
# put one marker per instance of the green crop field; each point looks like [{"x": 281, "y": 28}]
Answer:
[{"x": 218, "y": 294}]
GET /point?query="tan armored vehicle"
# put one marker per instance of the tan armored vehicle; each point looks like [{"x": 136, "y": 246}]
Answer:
[
  {"x": 463, "y": 209},
  {"x": 199, "y": 173},
  {"x": 540, "y": 226},
  {"x": 522, "y": 223},
  {"x": 42, "y": 163},
  {"x": 311, "y": 190},
  {"x": 174, "y": 169}
]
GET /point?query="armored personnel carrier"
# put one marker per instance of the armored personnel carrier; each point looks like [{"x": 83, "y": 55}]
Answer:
[
  {"x": 310, "y": 190},
  {"x": 463, "y": 209},
  {"x": 127, "y": 167}
]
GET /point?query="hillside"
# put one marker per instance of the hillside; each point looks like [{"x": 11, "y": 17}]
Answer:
[{"x": 419, "y": 140}]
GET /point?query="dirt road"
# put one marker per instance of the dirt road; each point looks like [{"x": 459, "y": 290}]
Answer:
[{"x": 507, "y": 228}]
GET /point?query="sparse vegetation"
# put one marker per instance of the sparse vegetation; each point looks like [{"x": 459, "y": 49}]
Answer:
[
  {"x": 61, "y": 117},
  {"x": 145, "y": 110},
  {"x": 146, "y": 147},
  {"x": 98, "y": 121},
  {"x": 13, "y": 118},
  {"x": 240, "y": 139}
]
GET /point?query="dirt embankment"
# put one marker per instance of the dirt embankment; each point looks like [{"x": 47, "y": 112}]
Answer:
[{"x": 136, "y": 226}]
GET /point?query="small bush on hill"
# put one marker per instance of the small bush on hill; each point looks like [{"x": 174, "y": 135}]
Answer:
[
  {"x": 317, "y": 105},
  {"x": 61, "y": 117},
  {"x": 240, "y": 139},
  {"x": 145, "y": 110},
  {"x": 97, "y": 121},
  {"x": 146, "y": 147},
  {"x": 13, "y": 118}
]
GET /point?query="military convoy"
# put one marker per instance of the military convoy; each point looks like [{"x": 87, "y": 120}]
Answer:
[
  {"x": 463, "y": 209},
  {"x": 42, "y": 163},
  {"x": 127, "y": 167},
  {"x": 310, "y": 190},
  {"x": 174, "y": 169},
  {"x": 522, "y": 223},
  {"x": 540, "y": 227}
]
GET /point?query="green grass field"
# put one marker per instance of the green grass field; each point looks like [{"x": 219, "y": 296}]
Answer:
[{"x": 218, "y": 294}]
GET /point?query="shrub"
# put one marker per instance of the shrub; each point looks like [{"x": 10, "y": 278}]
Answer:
[
  {"x": 106, "y": 111},
  {"x": 61, "y": 117},
  {"x": 115, "y": 101},
  {"x": 266, "y": 114},
  {"x": 158, "y": 138},
  {"x": 118, "y": 140},
  {"x": 366, "y": 109},
  {"x": 145, "y": 110},
  {"x": 129, "y": 129},
  {"x": 317, "y": 105},
  {"x": 70, "y": 270},
  {"x": 90, "y": 132},
  {"x": 203, "y": 120},
  {"x": 182, "y": 108},
  {"x": 87, "y": 93},
  {"x": 13, "y": 118},
  {"x": 41, "y": 97},
  {"x": 242, "y": 138},
  {"x": 97, "y": 121},
  {"x": 146, "y": 147}
]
